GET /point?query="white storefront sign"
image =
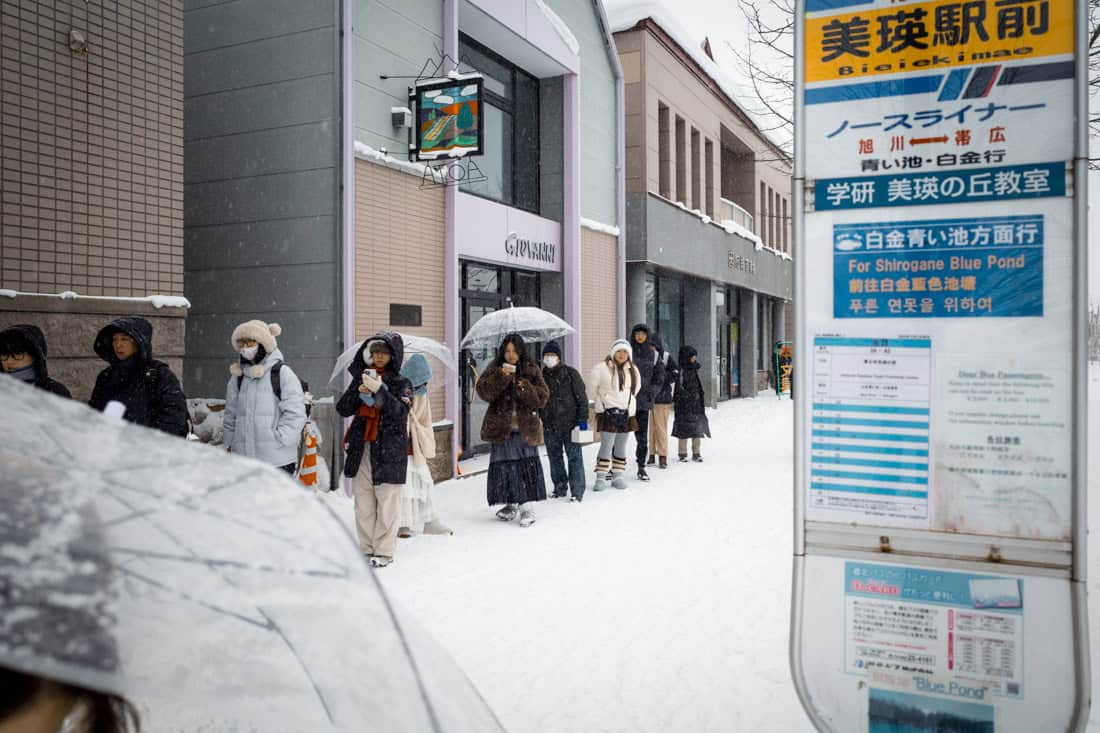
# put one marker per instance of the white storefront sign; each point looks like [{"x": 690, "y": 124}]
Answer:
[{"x": 487, "y": 231}]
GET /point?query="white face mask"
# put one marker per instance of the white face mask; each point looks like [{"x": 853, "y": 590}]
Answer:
[
  {"x": 550, "y": 361},
  {"x": 250, "y": 352}
]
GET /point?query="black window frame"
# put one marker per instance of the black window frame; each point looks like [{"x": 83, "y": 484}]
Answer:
[{"x": 508, "y": 106}]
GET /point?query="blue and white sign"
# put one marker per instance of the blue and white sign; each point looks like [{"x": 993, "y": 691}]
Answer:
[
  {"x": 944, "y": 268},
  {"x": 932, "y": 188}
]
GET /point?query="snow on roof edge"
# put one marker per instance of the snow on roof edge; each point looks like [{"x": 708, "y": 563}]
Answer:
[
  {"x": 598, "y": 226},
  {"x": 625, "y": 17},
  {"x": 157, "y": 301},
  {"x": 561, "y": 27}
]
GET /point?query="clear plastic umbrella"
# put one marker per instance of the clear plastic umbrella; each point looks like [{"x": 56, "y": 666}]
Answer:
[
  {"x": 209, "y": 590},
  {"x": 533, "y": 324},
  {"x": 413, "y": 345}
]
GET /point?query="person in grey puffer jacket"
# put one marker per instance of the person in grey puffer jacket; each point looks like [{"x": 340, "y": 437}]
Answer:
[{"x": 258, "y": 423}]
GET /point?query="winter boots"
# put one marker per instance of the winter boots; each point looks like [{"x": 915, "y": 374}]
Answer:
[
  {"x": 601, "y": 483},
  {"x": 526, "y": 517},
  {"x": 683, "y": 458},
  {"x": 404, "y": 533},
  {"x": 642, "y": 475},
  {"x": 603, "y": 465},
  {"x": 697, "y": 458},
  {"x": 617, "y": 480},
  {"x": 508, "y": 513},
  {"x": 437, "y": 527},
  {"x": 378, "y": 561},
  {"x": 561, "y": 491},
  {"x": 664, "y": 462},
  {"x": 652, "y": 460}
]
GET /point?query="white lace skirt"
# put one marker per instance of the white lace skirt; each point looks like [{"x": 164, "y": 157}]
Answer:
[{"x": 416, "y": 497}]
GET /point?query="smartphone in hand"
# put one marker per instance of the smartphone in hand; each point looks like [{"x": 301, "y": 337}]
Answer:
[{"x": 509, "y": 368}]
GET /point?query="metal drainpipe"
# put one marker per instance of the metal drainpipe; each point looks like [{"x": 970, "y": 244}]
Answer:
[
  {"x": 347, "y": 195},
  {"x": 451, "y": 333},
  {"x": 620, "y": 168}
]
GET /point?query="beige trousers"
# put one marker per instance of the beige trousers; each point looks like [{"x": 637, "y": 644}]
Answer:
[
  {"x": 658, "y": 430},
  {"x": 695, "y": 442},
  {"x": 377, "y": 512}
]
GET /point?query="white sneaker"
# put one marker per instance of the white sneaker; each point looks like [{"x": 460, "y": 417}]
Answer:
[
  {"x": 526, "y": 518},
  {"x": 380, "y": 562}
]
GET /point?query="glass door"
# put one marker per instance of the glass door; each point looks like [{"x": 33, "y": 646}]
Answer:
[{"x": 474, "y": 361}]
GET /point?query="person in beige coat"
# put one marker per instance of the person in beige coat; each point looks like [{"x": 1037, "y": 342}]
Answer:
[
  {"x": 613, "y": 386},
  {"x": 417, "y": 510}
]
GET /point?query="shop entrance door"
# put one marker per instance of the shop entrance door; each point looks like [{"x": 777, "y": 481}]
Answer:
[
  {"x": 734, "y": 374},
  {"x": 722, "y": 348}
]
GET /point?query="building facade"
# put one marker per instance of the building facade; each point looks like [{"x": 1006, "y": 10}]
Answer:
[
  {"x": 303, "y": 205},
  {"x": 708, "y": 214},
  {"x": 91, "y": 173}
]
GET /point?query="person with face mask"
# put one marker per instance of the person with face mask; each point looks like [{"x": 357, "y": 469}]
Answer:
[
  {"x": 566, "y": 408},
  {"x": 265, "y": 408},
  {"x": 23, "y": 356}
]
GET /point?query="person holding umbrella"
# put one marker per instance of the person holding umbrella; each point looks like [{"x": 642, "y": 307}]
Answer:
[
  {"x": 377, "y": 442},
  {"x": 514, "y": 387}
]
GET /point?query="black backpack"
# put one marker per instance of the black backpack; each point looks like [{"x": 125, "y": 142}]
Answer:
[{"x": 276, "y": 383}]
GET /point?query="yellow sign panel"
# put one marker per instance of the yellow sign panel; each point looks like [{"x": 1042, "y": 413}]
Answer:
[{"x": 935, "y": 36}]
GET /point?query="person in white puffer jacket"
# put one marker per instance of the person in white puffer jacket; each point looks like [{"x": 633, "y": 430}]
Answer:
[
  {"x": 259, "y": 422},
  {"x": 613, "y": 386}
]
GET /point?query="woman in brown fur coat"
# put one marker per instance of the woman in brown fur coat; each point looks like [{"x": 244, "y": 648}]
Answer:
[{"x": 514, "y": 388}]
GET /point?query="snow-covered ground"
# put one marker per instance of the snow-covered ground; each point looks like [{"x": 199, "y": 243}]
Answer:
[{"x": 660, "y": 608}]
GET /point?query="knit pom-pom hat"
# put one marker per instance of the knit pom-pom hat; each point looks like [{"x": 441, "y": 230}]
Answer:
[
  {"x": 260, "y": 332},
  {"x": 620, "y": 345}
]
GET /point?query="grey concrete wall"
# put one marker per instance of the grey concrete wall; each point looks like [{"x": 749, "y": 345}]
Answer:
[
  {"x": 392, "y": 38},
  {"x": 70, "y": 327},
  {"x": 599, "y": 116},
  {"x": 748, "y": 340},
  {"x": 677, "y": 240},
  {"x": 699, "y": 332},
  {"x": 635, "y": 293},
  {"x": 262, "y": 181}
]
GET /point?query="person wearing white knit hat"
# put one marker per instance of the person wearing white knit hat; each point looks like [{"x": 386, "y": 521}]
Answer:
[
  {"x": 613, "y": 385},
  {"x": 265, "y": 407}
]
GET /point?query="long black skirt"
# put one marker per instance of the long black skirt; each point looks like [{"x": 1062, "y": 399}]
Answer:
[{"x": 515, "y": 472}]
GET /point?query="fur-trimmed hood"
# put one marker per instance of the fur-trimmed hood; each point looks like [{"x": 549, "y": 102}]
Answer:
[
  {"x": 391, "y": 339},
  {"x": 260, "y": 332}
]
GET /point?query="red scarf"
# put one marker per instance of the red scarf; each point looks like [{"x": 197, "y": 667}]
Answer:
[{"x": 373, "y": 415}]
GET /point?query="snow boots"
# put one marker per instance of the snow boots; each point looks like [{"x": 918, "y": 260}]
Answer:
[
  {"x": 508, "y": 513},
  {"x": 601, "y": 483},
  {"x": 683, "y": 458},
  {"x": 617, "y": 480},
  {"x": 642, "y": 475},
  {"x": 404, "y": 533},
  {"x": 603, "y": 465},
  {"x": 437, "y": 527},
  {"x": 526, "y": 517},
  {"x": 697, "y": 458},
  {"x": 664, "y": 462},
  {"x": 652, "y": 460}
]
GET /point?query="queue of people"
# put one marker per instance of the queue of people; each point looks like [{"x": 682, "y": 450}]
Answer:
[{"x": 632, "y": 391}]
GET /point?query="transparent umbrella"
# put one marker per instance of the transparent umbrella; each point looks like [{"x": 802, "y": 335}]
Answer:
[
  {"x": 413, "y": 345},
  {"x": 209, "y": 590},
  {"x": 533, "y": 324}
]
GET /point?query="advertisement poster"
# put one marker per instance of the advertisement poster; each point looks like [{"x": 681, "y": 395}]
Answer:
[
  {"x": 937, "y": 87},
  {"x": 900, "y": 712},
  {"x": 935, "y": 632},
  {"x": 1003, "y": 449},
  {"x": 870, "y": 431}
]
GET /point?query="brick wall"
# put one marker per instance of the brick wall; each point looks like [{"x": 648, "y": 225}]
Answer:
[
  {"x": 91, "y": 147},
  {"x": 399, "y": 242},
  {"x": 599, "y": 299}
]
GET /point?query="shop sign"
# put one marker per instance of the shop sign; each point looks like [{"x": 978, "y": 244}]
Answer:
[
  {"x": 488, "y": 231},
  {"x": 515, "y": 246},
  {"x": 741, "y": 263},
  {"x": 448, "y": 121}
]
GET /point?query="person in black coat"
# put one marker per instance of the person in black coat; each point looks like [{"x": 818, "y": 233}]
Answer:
[
  {"x": 379, "y": 398},
  {"x": 566, "y": 408},
  {"x": 652, "y": 372},
  {"x": 662, "y": 406},
  {"x": 147, "y": 388},
  {"x": 23, "y": 356},
  {"x": 691, "y": 413}
]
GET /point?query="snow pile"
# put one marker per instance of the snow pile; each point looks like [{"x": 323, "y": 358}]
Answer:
[
  {"x": 625, "y": 14},
  {"x": 597, "y": 226},
  {"x": 157, "y": 301},
  {"x": 207, "y": 419},
  {"x": 733, "y": 227},
  {"x": 366, "y": 152},
  {"x": 560, "y": 26}
]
